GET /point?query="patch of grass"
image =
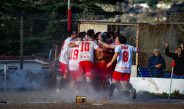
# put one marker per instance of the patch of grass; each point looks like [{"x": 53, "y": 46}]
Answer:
[{"x": 175, "y": 94}]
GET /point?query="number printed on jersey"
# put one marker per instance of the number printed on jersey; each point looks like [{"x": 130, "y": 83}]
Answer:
[
  {"x": 125, "y": 56},
  {"x": 74, "y": 54},
  {"x": 85, "y": 46}
]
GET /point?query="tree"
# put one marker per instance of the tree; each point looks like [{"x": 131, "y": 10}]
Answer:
[
  {"x": 152, "y": 3},
  {"x": 41, "y": 22}
]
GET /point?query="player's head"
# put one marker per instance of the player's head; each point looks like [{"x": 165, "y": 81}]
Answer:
[
  {"x": 112, "y": 34},
  {"x": 97, "y": 36},
  {"x": 120, "y": 40},
  {"x": 90, "y": 33},
  {"x": 72, "y": 34},
  {"x": 106, "y": 37},
  {"x": 82, "y": 35}
]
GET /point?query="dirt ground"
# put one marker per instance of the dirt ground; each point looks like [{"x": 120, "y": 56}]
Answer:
[{"x": 49, "y": 99}]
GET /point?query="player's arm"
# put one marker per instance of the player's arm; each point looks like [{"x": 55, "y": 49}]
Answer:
[
  {"x": 99, "y": 49},
  {"x": 113, "y": 59},
  {"x": 138, "y": 50},
  {"x": 96, "y": 47},
  {"x": 74, "y": 43},
  {"x": 107, "y": 45},
  {"x": 57, "y": 58}
]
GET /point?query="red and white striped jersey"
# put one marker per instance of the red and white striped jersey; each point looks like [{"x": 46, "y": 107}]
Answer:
[{"x": 124, "y": 59}]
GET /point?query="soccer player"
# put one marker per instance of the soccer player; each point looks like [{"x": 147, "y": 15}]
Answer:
[
  {"x": 102, "y": 73},
  {"x": 86, "y": 55},
  {"x": 75, "y": 74},
  {"x": 86, "y": 58},
  {"x": 74, "y": 68},
  {"x": 64, "y": 57},
  {"x": 123, "y": 55}
]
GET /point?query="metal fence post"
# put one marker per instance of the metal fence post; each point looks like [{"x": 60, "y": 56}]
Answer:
[
  {"x": 21, "y": 43},
  {"x": 172, "y": 65},
  {"x": 5, "y": 71}
]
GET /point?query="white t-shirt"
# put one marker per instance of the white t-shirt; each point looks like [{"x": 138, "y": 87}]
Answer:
[
  {"x": 64, "y": 55},
  {"x": 124, "y": 60},
  {"x": 74, "y": 58},
  {"x": 86, "y": 50}
]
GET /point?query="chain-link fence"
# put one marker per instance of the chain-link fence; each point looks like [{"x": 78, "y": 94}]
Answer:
[
  {"x": 153, "y": 36},
  {"x": 42, "y": 33},
  {"x": 146, "y": 37},
  {"x": 127, "y": 30}
]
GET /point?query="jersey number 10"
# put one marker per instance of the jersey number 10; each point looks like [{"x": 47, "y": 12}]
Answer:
[{"x": 85, "y": 46}]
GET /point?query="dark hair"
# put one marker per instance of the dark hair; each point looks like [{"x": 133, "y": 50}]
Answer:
[
  {"x": 82, "y": 34},
  {"x": 71, "y": 32},
  {"x": 178, "y": 47},
  {"x": 90, "y": 33},
  {"x": 96, "y": 35},
  {"x": 112, "y": 34},
  {"x": 122, "y": 39},
  {"x": 106, "y": 37}
]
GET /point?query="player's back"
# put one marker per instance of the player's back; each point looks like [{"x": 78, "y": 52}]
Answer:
[
  {"x": 87, "y": 50},
  {"x": 124, "y": 59},
  {"x": 64, "y": 51},
  {"x": 74, "y": 57}
]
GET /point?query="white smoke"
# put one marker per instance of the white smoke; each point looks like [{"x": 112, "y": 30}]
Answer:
[{"x": 33, "y": 86}]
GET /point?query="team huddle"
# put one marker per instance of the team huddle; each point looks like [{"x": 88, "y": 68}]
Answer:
[{"x": 103, "y": 59}]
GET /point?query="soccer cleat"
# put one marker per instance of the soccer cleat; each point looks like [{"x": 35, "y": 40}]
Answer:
[{"x": 132, "y": 93}]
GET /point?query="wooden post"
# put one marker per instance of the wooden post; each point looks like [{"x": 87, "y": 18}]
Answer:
[{"x": 137, "y": 44}]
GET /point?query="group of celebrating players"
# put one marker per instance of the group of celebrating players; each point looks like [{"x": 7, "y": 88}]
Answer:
[{"x": 103, "y": 60}]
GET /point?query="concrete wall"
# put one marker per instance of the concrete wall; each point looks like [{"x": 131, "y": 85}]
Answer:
[
  {"x": 26, "y": 65},
  {"x": 38, "y": 79},
  {"x": 157, "y": 85},
  {"x": 26, "y": 79}
]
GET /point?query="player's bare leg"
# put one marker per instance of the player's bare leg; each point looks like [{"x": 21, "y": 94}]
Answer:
[
  {"x": 58, "y": 83},
  {"x": 112, "y": 88},
  {"x": 64, "y": 80},
  {"x": 89, "y": 85},
  {"x": 128, "y": 90},
  {"x": 61, "y": 82},
  {"x": 72, "y": 84}
]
